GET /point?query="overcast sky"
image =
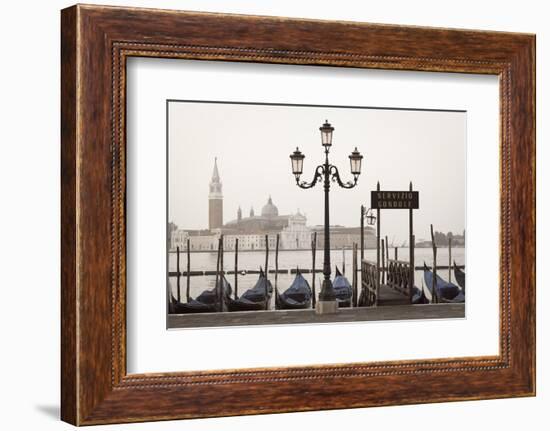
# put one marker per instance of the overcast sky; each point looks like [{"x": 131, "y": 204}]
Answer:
[{"x": 253, "y": 144}]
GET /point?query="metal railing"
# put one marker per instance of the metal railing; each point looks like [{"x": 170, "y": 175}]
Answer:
[
  {"x": 399, "y": 276},
  {"x": 369, "y": 284}
]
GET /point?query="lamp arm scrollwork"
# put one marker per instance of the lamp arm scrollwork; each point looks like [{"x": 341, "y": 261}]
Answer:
[
  {"x": 319, "y": 172},
  {"x": 335, "y": 176}
]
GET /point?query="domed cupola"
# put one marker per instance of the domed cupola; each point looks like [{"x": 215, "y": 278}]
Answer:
[{"x": 270, "y": 210}]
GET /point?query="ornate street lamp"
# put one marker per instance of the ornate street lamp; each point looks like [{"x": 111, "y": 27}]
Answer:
[
  {"x": 355, "y": 162},
  {"x": 297, "y": 162},
  {"x": 326, "y": 172},
  {"x": 326, "y": 134},
  {"x": 366, "y": 214}
]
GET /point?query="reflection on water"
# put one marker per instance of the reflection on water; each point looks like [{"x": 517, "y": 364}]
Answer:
[{"x": 252, "y": 260}]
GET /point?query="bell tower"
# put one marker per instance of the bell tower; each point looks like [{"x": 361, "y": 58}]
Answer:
[{"x": 215, "y": 200}]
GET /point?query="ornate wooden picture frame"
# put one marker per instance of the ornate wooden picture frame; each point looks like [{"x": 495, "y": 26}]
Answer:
[{"x": 96, "y": 42}]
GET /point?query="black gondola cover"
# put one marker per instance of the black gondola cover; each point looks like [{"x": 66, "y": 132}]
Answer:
[
  {"x": 342, "y": 289},
  {"x": 418, "y": 296},
  {"x": 206, "y": 302},
  {"x": 446, "y": 292},
  {"x": 460, "y": 277},
  {"x": 297, "y": 296},
  {"x": 255, "y": 299}
]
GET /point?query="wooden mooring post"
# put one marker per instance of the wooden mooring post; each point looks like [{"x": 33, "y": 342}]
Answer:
[
  {"x": 450, "y": 257},
  {"x": 377, "y": 248},
  {"x": 362, "y": 237},
  {"x": 222, "y": 274},
  {"x": 221, "y": 258},
  {"x": 383, "y": 275},
  {"x": 188, "y": 287},
  {"x": 220, "y": 297},
  {"x": 354, "y": 277},
  {"x": 178, "y": 294},
  {"x": 362, "y": 234},
  {"x": 236, "y": 268},
  {"x": 313, "y": 253},
  {"x": 343, "y": 261},
  {"x": 276, "y": 261},
  {"x": 387, "y": 256},
  {"x": 411, "y": 248},
  {"x": 267, "y": 305},
  {"x": 266, "y": 255},
  {"x": 435, "y": 298}
]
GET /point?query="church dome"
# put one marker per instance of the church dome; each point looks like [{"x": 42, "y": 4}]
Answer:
[{"x": 270, "y": 210}]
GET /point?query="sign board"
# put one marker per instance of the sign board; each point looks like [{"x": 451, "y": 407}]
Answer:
[{"x": 403, "y": 200}]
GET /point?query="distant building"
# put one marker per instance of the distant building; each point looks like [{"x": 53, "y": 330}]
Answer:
[
  {"x": 215, "y": 200},
  {"x": 296, "y": 235},
  {"x": 268, "y": 222},
  {"x": 251, "y": 231},
  {"x": 248, "y": 241},
  {"x": 178, "y": 239},
  {"x": 345, "y": 237},
  {"x": 199, "y": 240},
  {"x": 172, "y": 227},
  {"x": 442, "y": 240}
]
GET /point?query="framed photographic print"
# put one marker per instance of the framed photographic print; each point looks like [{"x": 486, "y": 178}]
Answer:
[
  {"x": 266, "y": 257},
  {"x": 292, "y": 210}
]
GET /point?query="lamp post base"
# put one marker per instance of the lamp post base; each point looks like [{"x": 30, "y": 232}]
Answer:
[{"x": 326, "y": 307}]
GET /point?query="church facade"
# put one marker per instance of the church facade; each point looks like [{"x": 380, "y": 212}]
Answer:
[{"x": 252, "y": 231}]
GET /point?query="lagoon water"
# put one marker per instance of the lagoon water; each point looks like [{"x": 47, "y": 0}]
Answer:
[{"x": 252, "y": 260}]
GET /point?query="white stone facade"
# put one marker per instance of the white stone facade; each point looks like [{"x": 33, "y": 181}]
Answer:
[{"x": 296, "y": 235}]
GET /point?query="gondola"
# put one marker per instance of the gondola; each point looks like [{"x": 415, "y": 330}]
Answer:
[
  {"x": 206, "y": 302},
  {"x": 460, "y": 277},
  {"x": 342, "y": 289},
  {"x": 418, "y": 296},
  {"x": 171, "y": 306},
  {"x": 446, "y": 292},
  {"x": 459, "y": 298},
  {"x": 254, "y": 299},
  {"x": 297, "y": 296}
]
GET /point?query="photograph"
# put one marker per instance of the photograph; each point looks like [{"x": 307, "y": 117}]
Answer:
[{"x": 286, "y": 213}]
